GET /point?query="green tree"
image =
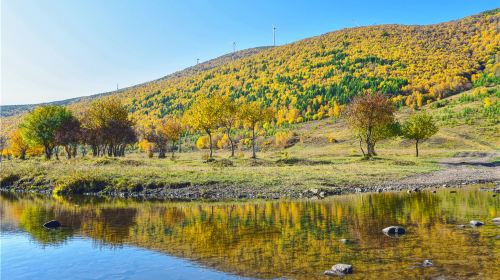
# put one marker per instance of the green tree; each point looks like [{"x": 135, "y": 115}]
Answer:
[
  {"x": 252, "y": 114},
  {"x": 419, "y": 127},
  {"x": 40, "y": 125}
]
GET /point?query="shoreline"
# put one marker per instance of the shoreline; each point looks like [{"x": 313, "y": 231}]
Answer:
[{"x": 218, "y": 192}]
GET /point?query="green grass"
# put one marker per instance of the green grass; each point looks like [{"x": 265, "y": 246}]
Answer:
[{"x": 312, "y": 162}]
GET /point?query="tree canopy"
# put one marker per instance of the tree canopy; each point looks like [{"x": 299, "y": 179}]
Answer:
[{"x": 419, "y": 127}]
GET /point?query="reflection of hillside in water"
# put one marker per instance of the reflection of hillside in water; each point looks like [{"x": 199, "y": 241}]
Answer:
[{"x": 295, "y": 239}]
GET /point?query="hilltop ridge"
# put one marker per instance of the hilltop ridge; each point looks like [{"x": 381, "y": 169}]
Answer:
[{"x": 10, "y": 110}]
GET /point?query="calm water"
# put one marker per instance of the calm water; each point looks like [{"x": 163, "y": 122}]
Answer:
[{"x": 125, "y": 239}]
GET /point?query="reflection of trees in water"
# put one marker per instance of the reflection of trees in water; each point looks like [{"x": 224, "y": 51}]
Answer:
[
  {"x": 295, "y": 239},
  {"x": 32, "y": 219}
]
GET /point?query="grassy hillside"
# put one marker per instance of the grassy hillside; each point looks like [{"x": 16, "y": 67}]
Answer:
[{"x": 325, "y": 156}]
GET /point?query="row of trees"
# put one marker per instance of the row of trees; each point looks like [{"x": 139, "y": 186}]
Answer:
[
  {"x": 104, "y": 127},
  {"x": 220, "y": 111},
  {"x": 372, "y": 119}
]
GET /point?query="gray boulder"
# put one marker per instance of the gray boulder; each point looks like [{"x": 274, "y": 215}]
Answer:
[
  {"x": 394, "y": 230},
  {"x": 52, "y": 224},
  {"x": 476, "y": 223},
  {"x": 339, "y": 269}
]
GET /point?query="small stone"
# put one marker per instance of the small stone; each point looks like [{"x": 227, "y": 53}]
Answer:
[
  {"x": 394, "y": 230},
  {"x": 358, "y": 190},
  {"x": 444, "y": 185},
  {"x": 314, "y": 191},
  {"x": 339, "y": 269},
  {"x": 408, "y": 191},
  {"x": 427, "y": 263},
  {"x": 476, "y": 223},
  {"x": 434, "y": 191},
  {"x": 496, "y": 220},
  {"x": 52, "y": 224},
  {"x": 322, "y": 194},
  {"x": 461, "y": 226},
  {"x": 379, "y": 190},
  {"x": 343, "y": 240}
]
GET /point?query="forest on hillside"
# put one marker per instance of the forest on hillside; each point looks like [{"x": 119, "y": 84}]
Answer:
[{"x": 414, "y": 65}]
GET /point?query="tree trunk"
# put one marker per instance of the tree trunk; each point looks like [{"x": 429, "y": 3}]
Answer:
[
  {"x": 161, "y": 151},
  {"x": 22, "y": 156},
  {"x": 254, "y": 154},
  {"x": 67, "y": 149},
  {"x": 361, "y": 146},
  {"x": 210, "y": 140},
  {"x": 173, "y": 149},
  {"x": 74, "y": 150},
  {"x": 416, "y": 148},
  {"x": 231, "y": 142}
]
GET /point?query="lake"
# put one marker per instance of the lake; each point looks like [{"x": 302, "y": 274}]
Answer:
[{"x": 128, "y": 239}]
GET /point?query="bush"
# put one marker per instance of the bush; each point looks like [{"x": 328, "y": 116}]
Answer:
[
  {"x": 203, "y": 142},
  {"x": 285, "y": 139},
  {"x": 79, "y": 184},
  {"x": 8, "y": 180}
]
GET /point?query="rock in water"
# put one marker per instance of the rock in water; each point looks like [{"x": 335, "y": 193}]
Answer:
[
  {"x": 394, "y": 230},
  {"x": 52, "y": 224},
  {"x": 476, "y": 223},
  {"x": 427, "y": 263},
  {"x": 339, "y": 269}
]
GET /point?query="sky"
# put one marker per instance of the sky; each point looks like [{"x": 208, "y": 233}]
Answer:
[{"x": 58, "y": 49}]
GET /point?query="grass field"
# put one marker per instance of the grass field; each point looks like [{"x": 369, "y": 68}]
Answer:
[{"x": 315, "y": 161}]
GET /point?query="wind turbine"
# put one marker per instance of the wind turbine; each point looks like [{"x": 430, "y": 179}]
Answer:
[{"x": 274, "y": 35}]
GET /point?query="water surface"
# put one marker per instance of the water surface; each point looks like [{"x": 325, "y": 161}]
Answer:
[{"x": 127, "y": 239}]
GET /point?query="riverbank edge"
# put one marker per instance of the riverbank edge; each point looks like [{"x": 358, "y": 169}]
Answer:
[{"x": 222, "y": 192}]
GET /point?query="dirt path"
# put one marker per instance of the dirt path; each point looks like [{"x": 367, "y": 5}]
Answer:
[{"x": 463, "y": 168}]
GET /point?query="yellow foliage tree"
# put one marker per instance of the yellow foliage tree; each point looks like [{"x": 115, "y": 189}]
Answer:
[
  {"x": 252, "y": 114},
  {"x": 18, "y": 147}
]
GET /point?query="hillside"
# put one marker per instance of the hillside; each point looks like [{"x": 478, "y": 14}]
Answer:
[
  {"x": 11, "y": 110},
  {"x": 413, "y": 64}
]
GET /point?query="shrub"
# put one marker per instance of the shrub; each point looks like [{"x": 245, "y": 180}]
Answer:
[
  {"x": 203, "y": 142},
  {"x": 8, "y": 179},
  {"x": 331, "y": 139},
  {"x": 285, "y": 139},
  {"x": 79, "y": 184}
]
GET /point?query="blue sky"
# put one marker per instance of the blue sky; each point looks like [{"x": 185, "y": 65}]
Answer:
[{"x": 58, "y": 49}]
